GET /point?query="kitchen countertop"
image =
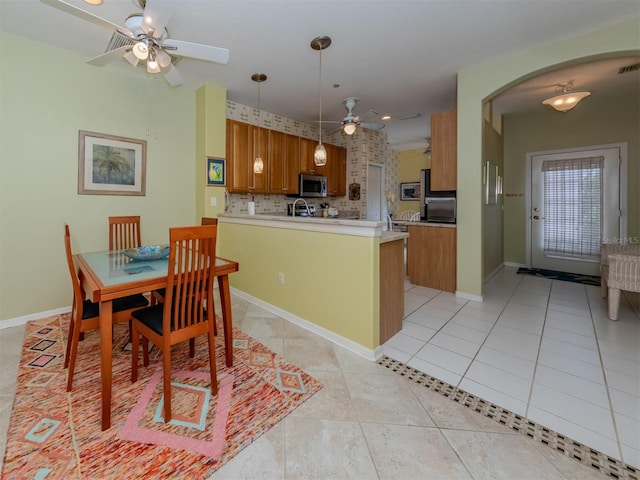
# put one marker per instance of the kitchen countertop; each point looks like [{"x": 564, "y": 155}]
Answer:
[
  {"x": 422, "y": 223},
  {"x": 339, "y": 225},
  {"x": 392, "y": 236}
]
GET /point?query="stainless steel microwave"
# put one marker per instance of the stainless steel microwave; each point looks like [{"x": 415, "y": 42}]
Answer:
[
  {"x": 312, "y": 185},
  {"x": 440, "y": 209}
]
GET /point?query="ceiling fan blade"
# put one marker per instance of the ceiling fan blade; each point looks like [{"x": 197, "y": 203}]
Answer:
[
  {"x": 90, "y": 17},
  {"x": 197, "y": 50},
  {"x": 108, "y": 57},
  {"x": 156, "y": 16},
  {"x": 172, "y": 76},
  {"x": 372, "y": 126}
]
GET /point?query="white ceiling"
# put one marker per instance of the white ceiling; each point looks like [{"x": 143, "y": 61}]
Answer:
[{"x": 399, "y": 57}]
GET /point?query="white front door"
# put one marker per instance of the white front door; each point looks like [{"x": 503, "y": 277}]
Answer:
[{"x": 574, "y": 205}]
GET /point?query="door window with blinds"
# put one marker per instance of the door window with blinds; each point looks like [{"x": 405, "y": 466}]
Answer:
[
  {"x": 573, "y": 208},
  {"x": 574, "y": 203}
]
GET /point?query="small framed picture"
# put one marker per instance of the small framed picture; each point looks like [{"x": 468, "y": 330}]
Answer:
[
  {"x": 111, "y": 165},
  {"x": 410, "y": 191},
  {"x": 216, "y": 174}
]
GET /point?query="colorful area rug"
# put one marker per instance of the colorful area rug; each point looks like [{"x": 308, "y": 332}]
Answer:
[
  {"x": 567, "y": 277},
  {"x": 56, "y": 435}
]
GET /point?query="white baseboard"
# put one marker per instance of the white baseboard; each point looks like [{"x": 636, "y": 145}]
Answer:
[
  {"x": 14, "y": 322},
  {"x": 369, "y": 354},
  {"x": 469, "y": 296},
  {"x": 514, "y": 264}
]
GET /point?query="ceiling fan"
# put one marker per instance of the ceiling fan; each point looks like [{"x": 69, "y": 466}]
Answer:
[
  {"x": 144, "y": 38},
  {"x": 351, "y": 122}
]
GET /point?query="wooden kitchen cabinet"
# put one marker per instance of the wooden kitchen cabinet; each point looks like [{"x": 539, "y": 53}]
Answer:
[
  {"x": 238, "y": 151},
  {"x": 244, "y": 143},
  {"x": 259, "y": 182},
  {"x": 284, "y": 156},
  {"x": 336, "y": 171},
  {"x": 431, "y": 257},
  {"x": 284, "y": 163},
  {"x": 444, "y": 150},
  {"x": 307, "y": 165},
  {"x": 391, "y": 288}
]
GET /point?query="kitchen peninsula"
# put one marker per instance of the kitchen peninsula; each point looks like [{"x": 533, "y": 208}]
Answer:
[{"x": 342, "y": 278}]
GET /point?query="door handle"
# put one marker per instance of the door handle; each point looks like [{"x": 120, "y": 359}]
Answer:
[{"x": 536, "y": 217}]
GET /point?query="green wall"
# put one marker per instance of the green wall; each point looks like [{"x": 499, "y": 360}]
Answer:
[
  {"x": 480, "y": 83},
  {"x": 492, "y": 250},
  {"x": 46, "y": 96},
  {"x": 595, "y": 121}
]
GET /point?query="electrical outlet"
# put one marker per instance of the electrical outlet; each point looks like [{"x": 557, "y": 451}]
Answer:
[
  {"x": 281, "y": 278},
  {"x": 214, "y": 201}
]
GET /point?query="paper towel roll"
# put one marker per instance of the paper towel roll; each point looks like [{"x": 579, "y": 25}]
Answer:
[{"x": 252, "y": 208}]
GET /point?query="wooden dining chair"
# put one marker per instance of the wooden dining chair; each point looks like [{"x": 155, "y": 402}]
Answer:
[
  {"x": 182, "y": 316},
  {"x": 85, "y": 314},
  {"x": 124, "y": 232},
  {"x": 158, "y": 295}
]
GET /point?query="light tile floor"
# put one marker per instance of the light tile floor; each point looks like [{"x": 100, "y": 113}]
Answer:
[
  {"x": 368, "y": 422},
  {"x": 540, "y": 348}
]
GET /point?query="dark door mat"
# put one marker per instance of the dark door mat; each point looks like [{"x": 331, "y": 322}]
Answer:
[{"x": 567, "y": 277}]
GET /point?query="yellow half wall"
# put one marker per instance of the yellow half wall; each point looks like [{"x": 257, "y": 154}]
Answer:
[{"x": 330, "y": 280}]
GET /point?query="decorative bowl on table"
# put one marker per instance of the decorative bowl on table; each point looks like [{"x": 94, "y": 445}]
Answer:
[{"x": 148, "y": 252}]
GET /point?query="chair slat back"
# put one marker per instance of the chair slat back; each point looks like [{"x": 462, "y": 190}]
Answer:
[
  {"x": 73, "y": 272},
  {"x": 124, "y": 232},
  {"x": 407, "y": 214},
  {"x": 193, "y": 251}
]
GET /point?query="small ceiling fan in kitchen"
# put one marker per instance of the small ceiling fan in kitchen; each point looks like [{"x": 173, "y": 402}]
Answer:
[
  {"x": 351, "y": 122},
  {"x": 144, "y": 40}
]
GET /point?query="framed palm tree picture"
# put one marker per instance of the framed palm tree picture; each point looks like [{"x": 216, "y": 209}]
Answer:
[{"x": 111, "y": 165}]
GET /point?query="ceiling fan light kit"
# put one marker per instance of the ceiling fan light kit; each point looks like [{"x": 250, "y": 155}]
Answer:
[
  {"x": 567, "y": 100},
  {"x": 349, "y": 127},
  {"x": 320, "y": 154},
  {"x": 144, "y": 37}
]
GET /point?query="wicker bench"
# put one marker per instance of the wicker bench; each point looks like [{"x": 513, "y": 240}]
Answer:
[{"x": 620, "y": 270}]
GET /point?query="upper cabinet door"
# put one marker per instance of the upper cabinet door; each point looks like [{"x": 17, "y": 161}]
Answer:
[
  {"x": 307, "y": 164},
  {"x": 444, "y": 150},
  {"x": 239, "y": 149},
  {"x": 259, "y": 182},
  {"x": 336, "y": 171},
  {"x": 284, "y": 163}
]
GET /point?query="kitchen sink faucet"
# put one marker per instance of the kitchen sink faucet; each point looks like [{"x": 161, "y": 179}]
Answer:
[{"x": 293, "y": 208}]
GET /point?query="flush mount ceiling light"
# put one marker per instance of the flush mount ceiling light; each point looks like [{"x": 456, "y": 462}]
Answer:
[
  {"x": 567, "y": 99},
  {"x": 93, "y": 2},
  {"x": 320, "y": 155},
  {"x": 258, "y": 164}
]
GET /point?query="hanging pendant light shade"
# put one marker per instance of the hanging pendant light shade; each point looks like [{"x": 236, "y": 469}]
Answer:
[
  {"x": 567, "y": 100},
  {"x": 258, "y": 164},
  {"x": 320, "y": 155}
]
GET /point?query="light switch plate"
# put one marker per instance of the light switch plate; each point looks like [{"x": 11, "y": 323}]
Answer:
[{"x": 213, "y": 201}]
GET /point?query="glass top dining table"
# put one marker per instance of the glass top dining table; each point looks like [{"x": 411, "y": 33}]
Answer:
[{"x": 109, "y": 274}]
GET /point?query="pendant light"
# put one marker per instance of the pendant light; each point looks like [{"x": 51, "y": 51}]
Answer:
[
  {"x": 567, "y": 100},
  {"x": 258, "y": 164},
  {"x": 320, "y": 155}
]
